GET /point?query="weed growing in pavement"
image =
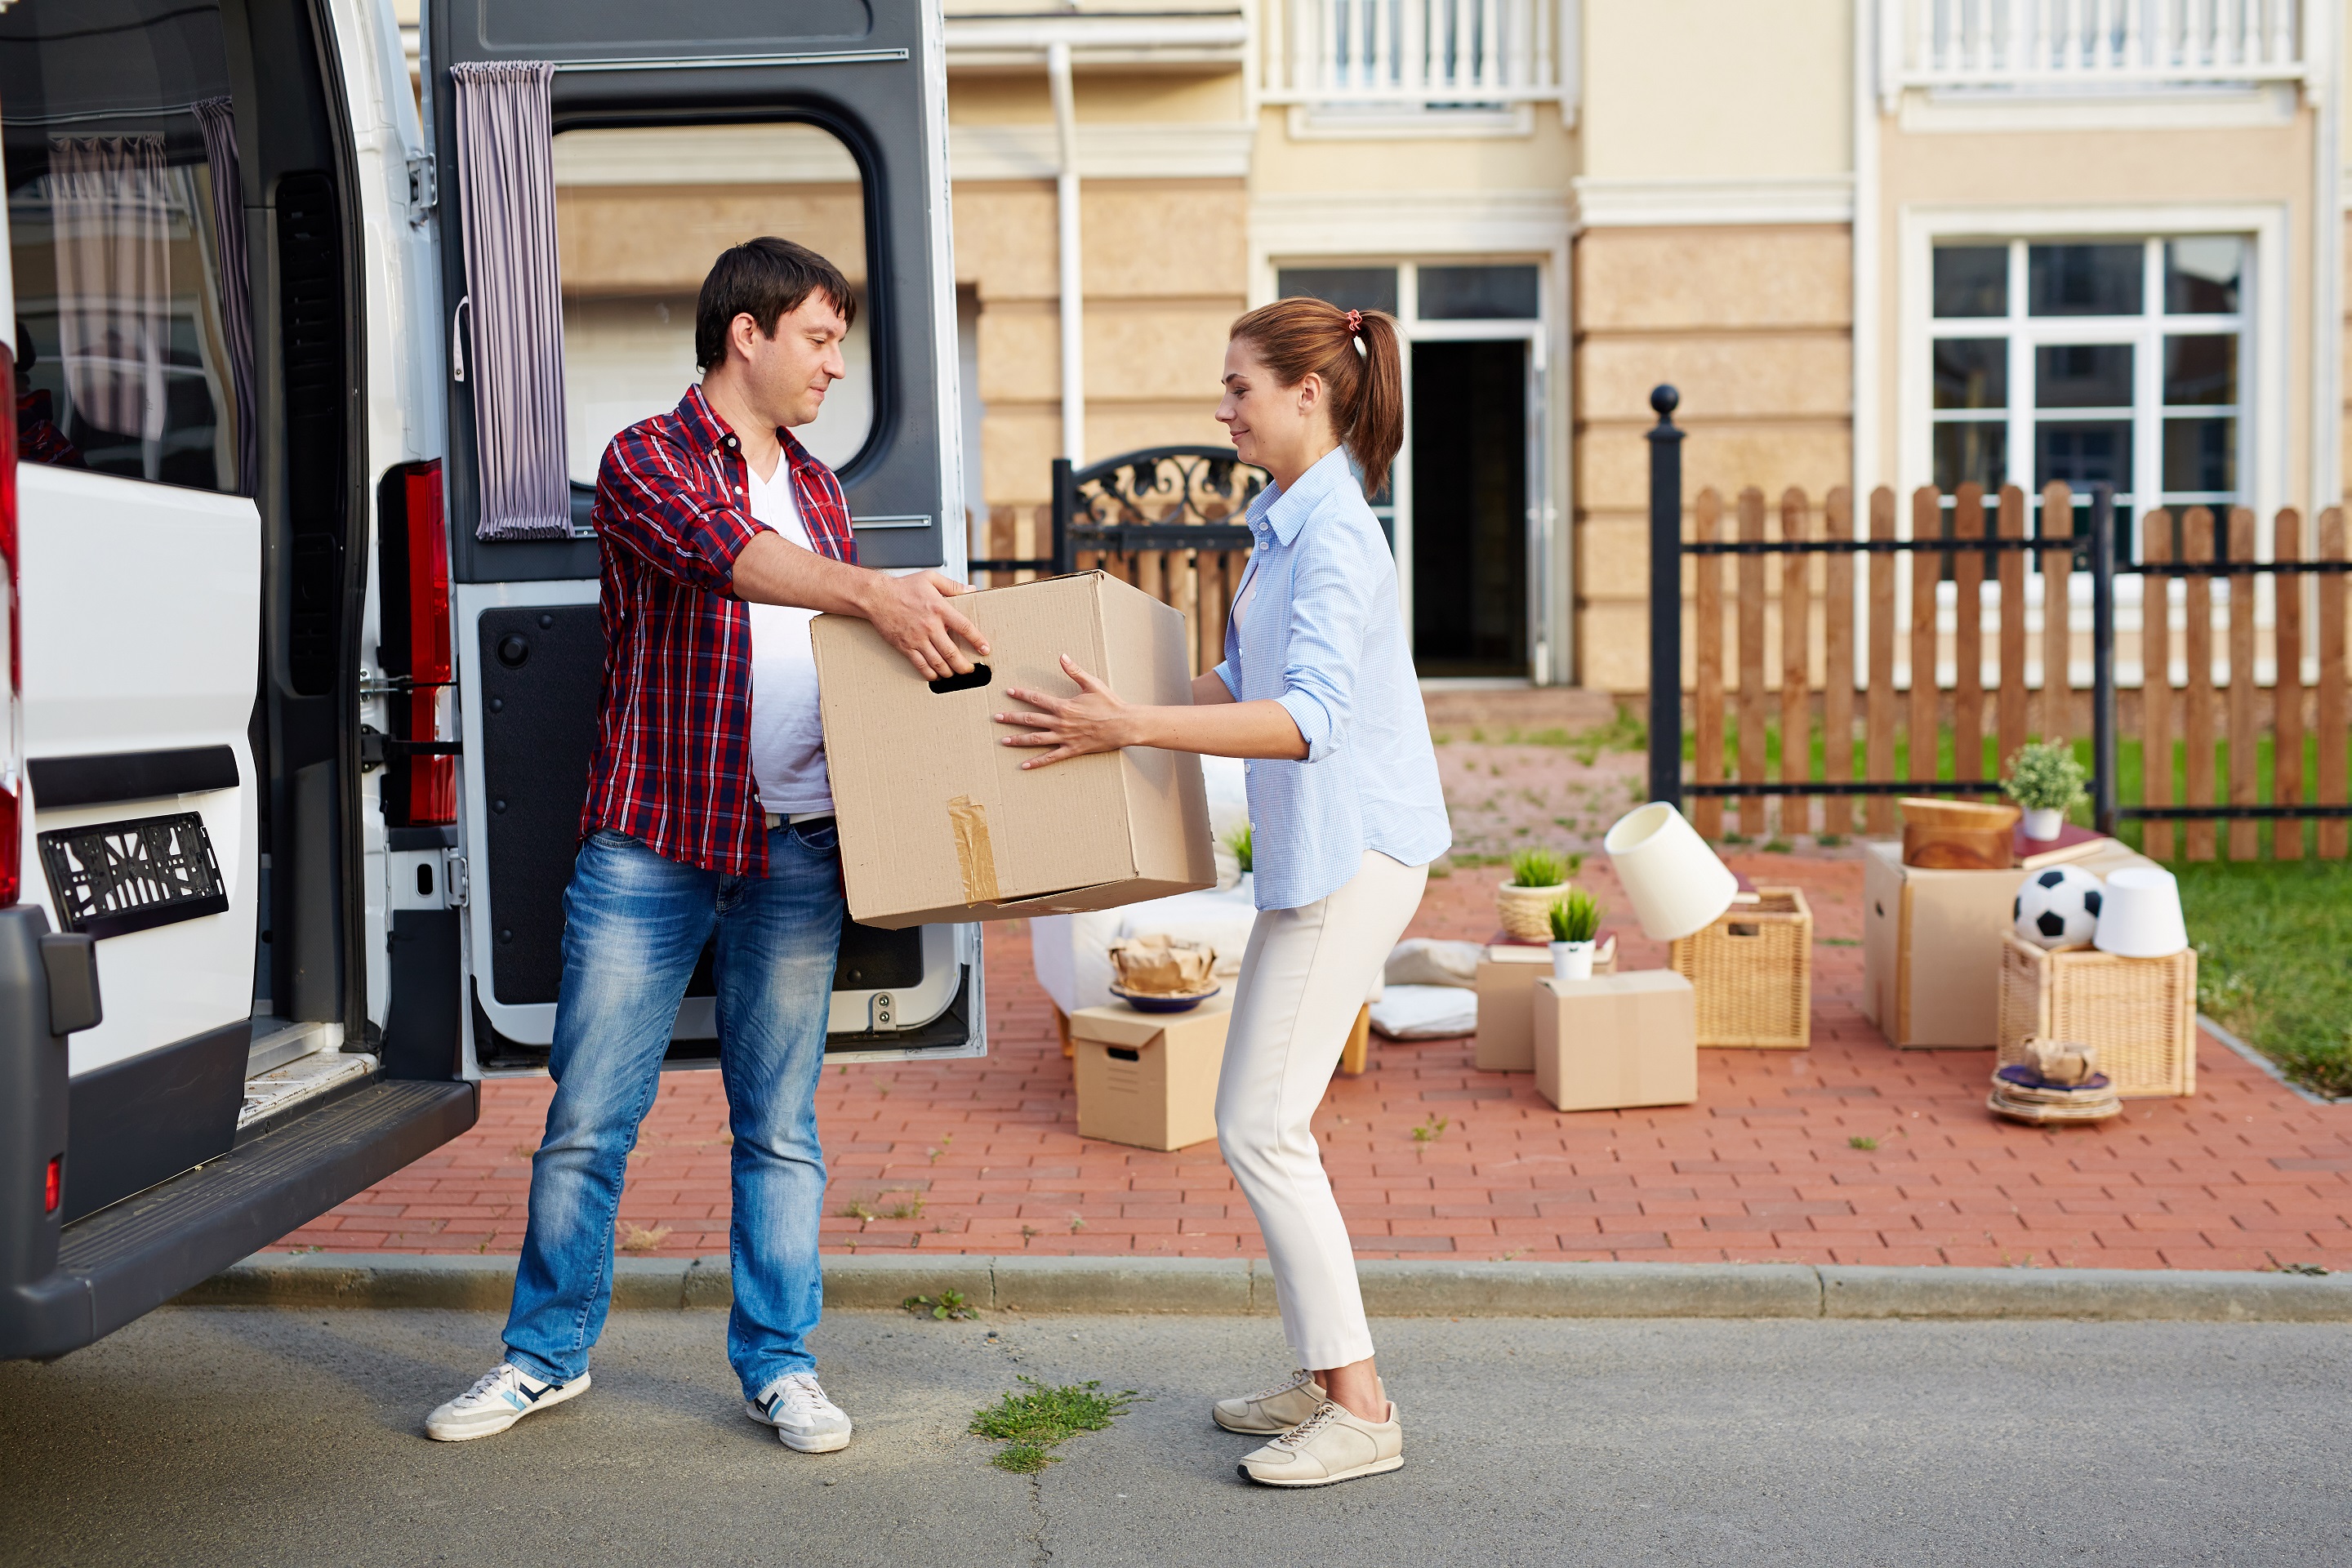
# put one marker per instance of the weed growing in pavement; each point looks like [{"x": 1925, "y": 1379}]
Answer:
[
  {"x": 855, "y": 1209},
  {"x": 1858, "y": 1142},
  {"x": 1028, "y": 1232},
  {"x": 1430, "y": 1130},
  {"x": 909, "y": 1207},
  {"x": 948, "y": 1307},
  {"x": 1780, "y": 847},
  {"x": 1839, "y": 941},
  {"x": 1077, "y": 1224},
  {"x": 945, "y": 1140},
  {"x": 637, "y": 1238},
  {"x": 1829, "y": 840},
  {"x": 2313, "y": 1269},
  {"x": 1030, "y": 1423}
]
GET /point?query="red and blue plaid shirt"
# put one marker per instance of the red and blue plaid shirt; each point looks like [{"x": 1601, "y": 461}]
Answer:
[{"x": 673, "y": 761}]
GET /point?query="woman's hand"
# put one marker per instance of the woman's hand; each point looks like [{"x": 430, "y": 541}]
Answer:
[{"x": 1093, "y": 721}]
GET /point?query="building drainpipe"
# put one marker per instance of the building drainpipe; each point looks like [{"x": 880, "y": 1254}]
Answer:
[{"x": 1072, "y": 281}]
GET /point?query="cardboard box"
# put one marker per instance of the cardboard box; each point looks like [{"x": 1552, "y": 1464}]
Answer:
[
  {"x": 1507, "y": 995},
  {"x": 1931, "y": 943},
  {"x": 1617, "y": 1040},
  {"x": 938, "y": 820},
  {"x": 1150, "y": 1079}
]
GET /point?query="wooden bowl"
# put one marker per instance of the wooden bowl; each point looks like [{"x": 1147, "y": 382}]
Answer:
[
  {"x": 1923, "y": 813},
  {"x": 1958, "y": 848}
]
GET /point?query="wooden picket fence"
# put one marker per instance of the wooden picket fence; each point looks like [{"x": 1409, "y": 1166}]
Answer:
[
  {"x": 1850, "y": 672},
  {"x": 1199, "y": 583}
]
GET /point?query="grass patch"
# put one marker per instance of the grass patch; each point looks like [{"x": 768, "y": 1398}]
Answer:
[
  {"x": 948, "y": 1305},
  {"x": 2271, "y": 938},
  {"x": 1031, "y": 1422}
]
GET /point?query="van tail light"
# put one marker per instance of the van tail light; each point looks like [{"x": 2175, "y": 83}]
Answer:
[
  {"x": 12, "y": 741},
  {"x": 419, "y": 791},
  {"x": 53, "y": 1186}
]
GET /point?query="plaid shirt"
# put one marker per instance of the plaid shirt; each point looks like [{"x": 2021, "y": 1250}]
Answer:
[{"x": 673, "y": 761}]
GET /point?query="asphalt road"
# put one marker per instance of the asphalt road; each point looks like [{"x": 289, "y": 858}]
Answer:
[{"x": 256, "y": 1436}]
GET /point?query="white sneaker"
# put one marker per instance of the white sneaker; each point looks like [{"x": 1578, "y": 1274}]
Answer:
[
  {"x": 1328, "y": 1446},
  {"x": 804, "y": 1419},
  {"x": 1276, "y": 1410},
  {"x": 500, "y": 1397}
]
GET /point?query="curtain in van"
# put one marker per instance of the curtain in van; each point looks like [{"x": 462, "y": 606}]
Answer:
[
  {"x": 112, "y": 202},
  {"x": 506, "y": 175},
  {"x": 219, "y": 124}
]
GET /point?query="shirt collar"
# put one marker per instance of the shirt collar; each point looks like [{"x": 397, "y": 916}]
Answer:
[
  {"x": 710, "y": 433},
  {"x": 1284, "y": 512}
]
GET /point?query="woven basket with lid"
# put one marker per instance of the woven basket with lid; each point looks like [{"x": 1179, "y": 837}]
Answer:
[
  {"x": 2139, "y": 1014},
  {"x": 1526, "y": 912}
]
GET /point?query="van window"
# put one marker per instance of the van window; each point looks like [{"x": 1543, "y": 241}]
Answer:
[
  {"x": 125, "y": 214},
  {"x": 640, "y": 214}
]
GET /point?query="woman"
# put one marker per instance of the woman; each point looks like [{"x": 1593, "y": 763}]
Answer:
[{"x": 1317, "y": 689}]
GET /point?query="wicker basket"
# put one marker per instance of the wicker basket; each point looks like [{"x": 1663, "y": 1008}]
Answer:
[
  {"x": 2140, "y": 1013},
  {"x": 1526, "y": 912},
  {"x": 1753, "y": 971}
]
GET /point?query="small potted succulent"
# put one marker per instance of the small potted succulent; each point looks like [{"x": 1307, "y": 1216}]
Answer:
[
  {"x": 1538, "y": 877},
  {"x": 1575, "y": 923},
  {"x": 2046, "y": 780}
]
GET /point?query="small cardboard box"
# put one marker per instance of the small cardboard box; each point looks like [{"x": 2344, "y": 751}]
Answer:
[
  {"x": 938, "y": 820},
  {"x": 1932, "y": 940},
  {"x": 1617, "y": 1040},
  {"x": 1507, "y": 992},
  {"x": 1150, "y": 1079}
]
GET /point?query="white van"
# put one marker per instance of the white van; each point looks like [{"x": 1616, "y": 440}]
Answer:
[{"x": 298, "y": 728}]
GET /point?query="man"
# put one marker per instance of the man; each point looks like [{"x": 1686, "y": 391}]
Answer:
[{"x": 708, "y": 814}]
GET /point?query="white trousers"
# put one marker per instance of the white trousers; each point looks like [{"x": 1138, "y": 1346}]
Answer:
[{"x": 1305, "y": 974}]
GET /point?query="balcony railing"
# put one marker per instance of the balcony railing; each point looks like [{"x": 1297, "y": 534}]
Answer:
[
  {"x": 1413, "y": 55},
  {"x": 2058, "y": 46}
]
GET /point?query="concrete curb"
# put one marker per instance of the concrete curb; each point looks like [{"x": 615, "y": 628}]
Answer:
[{"x": 1399, "y": 1288}]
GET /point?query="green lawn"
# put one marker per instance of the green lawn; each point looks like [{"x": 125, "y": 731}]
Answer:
[{"x": 2274, "y": 939}]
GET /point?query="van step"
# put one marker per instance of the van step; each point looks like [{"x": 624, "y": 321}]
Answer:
[
  {"x": 123, "y": 1260},
  {"x": 279, "y": 1090},
  {"x": 277, "y": 1042}
]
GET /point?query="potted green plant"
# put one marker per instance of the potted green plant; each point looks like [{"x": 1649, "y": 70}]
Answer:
[
  {"x": 1575, "y": 923},
  {"x": 1538, "y": 877},
  {"x": 2046, "y": 780},
  {"x": 1239, "y": 842}
]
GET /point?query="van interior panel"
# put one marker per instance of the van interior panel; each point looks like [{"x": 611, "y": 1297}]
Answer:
[{"x": 147, "y": 1118}]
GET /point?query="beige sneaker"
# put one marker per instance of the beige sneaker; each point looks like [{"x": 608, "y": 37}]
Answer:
[
  {"x": 1275, "y": 1410},
  {"x": 1328, "y": 1446}
]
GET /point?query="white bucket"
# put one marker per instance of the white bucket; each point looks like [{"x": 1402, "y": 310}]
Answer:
[
  {"x": 1677, "y": 885},
  {"x": 2139, "y": 914}
]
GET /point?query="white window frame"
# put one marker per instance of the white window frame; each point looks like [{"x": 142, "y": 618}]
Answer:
[
  {"x": 2142, "y": 490},
  {"x": 2264, "y": 407}
]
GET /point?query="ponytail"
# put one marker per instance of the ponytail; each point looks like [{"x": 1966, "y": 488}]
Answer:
[{"x": 1359, "y": 357}]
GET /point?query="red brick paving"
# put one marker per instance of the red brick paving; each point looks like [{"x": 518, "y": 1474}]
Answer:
[{"x": 984, "y": 1156}]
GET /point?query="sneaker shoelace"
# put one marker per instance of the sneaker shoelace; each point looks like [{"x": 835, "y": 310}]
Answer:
[
  {"x": 1298, "y": 1437},
  {"x": 488, "y": 1382},
  {"x": 1297, "y": 1380},
  {"x": 799, "y": 1395}
]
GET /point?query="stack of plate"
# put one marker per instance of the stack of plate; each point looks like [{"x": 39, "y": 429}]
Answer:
[{"x": 2018, "y": 1093}]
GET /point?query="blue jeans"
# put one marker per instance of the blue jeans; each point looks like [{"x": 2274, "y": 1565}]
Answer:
[{"x": 633, "y": 926}]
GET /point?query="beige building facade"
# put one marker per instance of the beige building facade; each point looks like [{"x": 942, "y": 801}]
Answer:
[{"x": 1873, "y": 242}]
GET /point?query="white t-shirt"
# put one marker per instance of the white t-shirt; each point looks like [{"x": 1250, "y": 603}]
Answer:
[{"x": 787, "y": 738}]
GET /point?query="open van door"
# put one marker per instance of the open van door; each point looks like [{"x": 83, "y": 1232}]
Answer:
[{"x": 675, "y": 132}]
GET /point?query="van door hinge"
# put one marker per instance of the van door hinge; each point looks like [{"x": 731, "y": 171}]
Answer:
[
  {"x": 458, "y": 885},
  {"x": 423, "y": 190}
]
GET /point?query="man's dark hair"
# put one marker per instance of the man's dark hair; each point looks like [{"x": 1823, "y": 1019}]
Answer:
[{"x": 767, "y": 279}]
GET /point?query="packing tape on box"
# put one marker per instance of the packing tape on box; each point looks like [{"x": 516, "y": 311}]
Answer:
[{"x": 975, "y": 856}]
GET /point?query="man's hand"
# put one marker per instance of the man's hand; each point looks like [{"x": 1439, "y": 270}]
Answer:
[
  {"x": 914, "y": 615},
  {"x": 1093, "y": 721}
]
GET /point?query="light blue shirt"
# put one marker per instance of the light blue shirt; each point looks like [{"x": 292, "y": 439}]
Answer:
[{"x": 1322, "y": 634}]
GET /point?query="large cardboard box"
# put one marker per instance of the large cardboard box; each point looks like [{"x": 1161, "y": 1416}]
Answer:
[
  {"x": 1931, "y": 943},
  {"x": 1617, "y": 1040},
  {"x": 1150, "y": 1078},
  {"x": 938, "y": 820},
  {"x": 1507, "y": 1003}
]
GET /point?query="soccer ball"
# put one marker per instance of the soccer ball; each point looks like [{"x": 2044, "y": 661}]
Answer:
[{"x": 2059, "y": 907}]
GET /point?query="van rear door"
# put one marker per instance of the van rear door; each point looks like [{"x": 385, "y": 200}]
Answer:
[{"x": 677, "y": 131}]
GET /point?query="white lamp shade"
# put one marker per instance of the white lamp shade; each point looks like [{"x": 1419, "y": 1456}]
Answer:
[
  {"x": 2139, "y": 915},
  {"x": 1677, "y": 885}
]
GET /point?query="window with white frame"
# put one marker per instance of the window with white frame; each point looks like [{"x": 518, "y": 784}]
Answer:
[{"x": 2113, "y": 362}]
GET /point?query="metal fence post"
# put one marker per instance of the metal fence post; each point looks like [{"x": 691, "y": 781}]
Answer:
[
  {"x": 2103, "y": 659},
  {"x": 1665, "y": 600},
  {"x": 1064, "y": 504}
]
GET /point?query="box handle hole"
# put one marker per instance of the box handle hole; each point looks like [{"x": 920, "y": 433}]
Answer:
[
  {"x": 971, "y": 681},
  {"x": 1746, "y": 928},
  {"x": 1124, "y": 1054}
]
